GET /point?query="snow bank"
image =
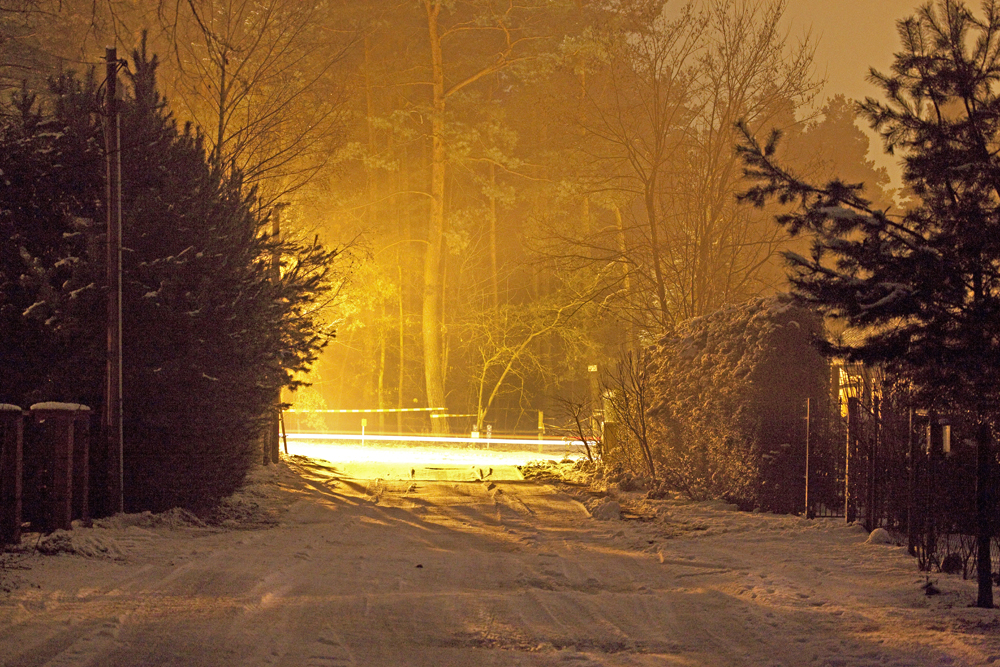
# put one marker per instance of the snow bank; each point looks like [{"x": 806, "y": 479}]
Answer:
[
  {"x": 175, "y": 518},
  {"x": 880, "y": 536},
  {"x": 607, "y": 511},
  {"x": 88, "y": 543}
]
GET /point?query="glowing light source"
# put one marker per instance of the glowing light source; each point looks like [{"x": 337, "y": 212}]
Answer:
[
  {"x": 399, "y": 457},
  {"x": 529, "y": 443}
]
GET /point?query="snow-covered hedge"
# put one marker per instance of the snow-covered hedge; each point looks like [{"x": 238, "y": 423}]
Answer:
[{"x": 729, "y": 398}]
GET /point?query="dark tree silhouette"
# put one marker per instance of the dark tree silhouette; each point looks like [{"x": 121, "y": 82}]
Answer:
[
  {"x": 923, "y": 286},
  {"x": 210, "y": 334}
]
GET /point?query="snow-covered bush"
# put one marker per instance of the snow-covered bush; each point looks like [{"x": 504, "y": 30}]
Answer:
[{"x": 728, "y": 402}]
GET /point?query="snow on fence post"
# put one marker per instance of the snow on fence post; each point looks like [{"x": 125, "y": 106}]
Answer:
[
  {"x": 11, "y": 472},
  {"x": 59, "y": 420}
]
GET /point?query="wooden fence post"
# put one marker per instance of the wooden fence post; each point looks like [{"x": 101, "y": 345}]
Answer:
[
  {"x": 11, "y": 472},
  {"x": 81, "y": 464},
  {"x": 930, "y": 491},
  {"x": 807, "y": 513},
  {"x": 984, "y": 514}
]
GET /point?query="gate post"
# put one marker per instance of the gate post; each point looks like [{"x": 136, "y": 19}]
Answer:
[
  {"x": 60, "y": 418},
  {"x": 850, "y": 503},
  {"x": 934, "y": 450},
  {"x": 871, "y": 502},
  {"x": 81, "y": 464},
  {"x": 609, "y": 442},
  {"x": 11, "y": 472},
  {"x": 911, "y": 516}
]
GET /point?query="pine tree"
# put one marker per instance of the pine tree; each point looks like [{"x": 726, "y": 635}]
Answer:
[
  {"x": 924, "y": 285},
  {"x": 210, "y": 333},
  {"x": 211, "y": 336},
  {"x": 47, "y": 208}
]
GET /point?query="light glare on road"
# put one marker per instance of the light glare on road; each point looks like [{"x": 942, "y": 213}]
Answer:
[{"x": 428, "y": 450}]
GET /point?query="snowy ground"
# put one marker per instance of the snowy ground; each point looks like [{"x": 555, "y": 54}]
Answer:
[{"x": 441, "y": 564}]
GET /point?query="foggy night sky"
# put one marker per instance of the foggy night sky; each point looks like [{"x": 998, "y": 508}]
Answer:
[{"x": 850, "y": 37}]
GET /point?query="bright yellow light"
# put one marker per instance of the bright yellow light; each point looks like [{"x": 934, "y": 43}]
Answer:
[
  {"x": 425, "y": 450},
  {"x": 527, "y": 442}
]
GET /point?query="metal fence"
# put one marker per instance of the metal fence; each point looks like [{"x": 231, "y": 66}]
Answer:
[{"x": 882, "y": 462}]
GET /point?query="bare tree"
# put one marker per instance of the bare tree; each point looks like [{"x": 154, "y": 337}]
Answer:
[
  {"x": 505, "y": 344},
  {"x": 662, "y": 109},
  {"x": 579, "y": 412},
  {"x": 640, "y": 113},
  {"x": 626, "y": 391},
  {"x": 260, "y": 77},
  {"x": 718, "y": 247},
  {"x": 499, "y": 41}
]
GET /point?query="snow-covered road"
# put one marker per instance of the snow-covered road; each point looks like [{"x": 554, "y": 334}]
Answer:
[{"x": 447, "y": 569}]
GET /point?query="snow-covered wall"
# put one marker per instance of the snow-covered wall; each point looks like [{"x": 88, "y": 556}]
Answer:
[{"x": 729, "y": 402}]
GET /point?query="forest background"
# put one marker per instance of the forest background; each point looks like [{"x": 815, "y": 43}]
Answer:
[{"x": 528, "y": 188}]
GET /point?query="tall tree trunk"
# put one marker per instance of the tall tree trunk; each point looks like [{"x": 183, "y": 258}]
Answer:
[
  {"x": 627, "y": 270},
  {"x": 494, "y": 277},
  {"x": 431, "y": 311},
  {"x": 404, "y": 271},
  {"x": 370, "y": 118},
  {"x": 654, "y": 247},
  {"x": 220, "y": 132},
  {"x": 380, "y": 384},
  {"x": 402, "y": 348}
]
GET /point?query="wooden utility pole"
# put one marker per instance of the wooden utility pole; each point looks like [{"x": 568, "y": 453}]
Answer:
[{"x": 113, "y": 398}]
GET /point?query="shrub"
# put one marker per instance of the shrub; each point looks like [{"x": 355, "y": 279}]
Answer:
[{"x": 728, "y": 403}]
